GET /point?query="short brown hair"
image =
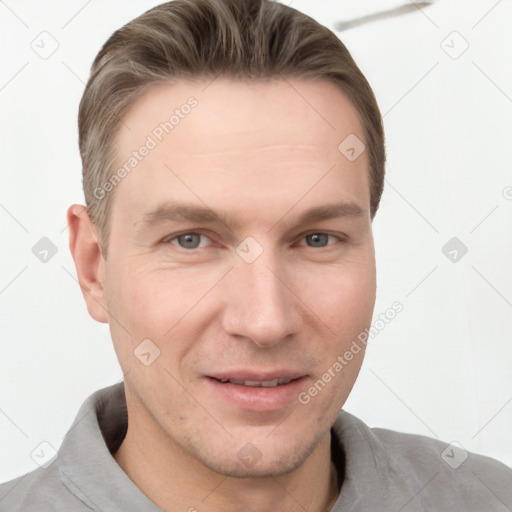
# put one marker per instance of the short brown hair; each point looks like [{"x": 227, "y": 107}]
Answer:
[{"x": 195, "y": 39}]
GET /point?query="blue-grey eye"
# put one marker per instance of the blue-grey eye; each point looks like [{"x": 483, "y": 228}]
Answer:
[
  {"x": 189, "y": 240},
  {"x": 318, "y": 239}
]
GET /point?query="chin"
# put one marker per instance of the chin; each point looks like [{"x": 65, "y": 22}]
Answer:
[
  {"x": 250, "y": 462},
  {"x": 234, "y": 468}
]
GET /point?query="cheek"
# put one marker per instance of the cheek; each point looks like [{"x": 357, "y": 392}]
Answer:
[
  {"x": 144, "y": 307},
  {"x": 343, "y": 297},
  {"x": 135, "y": 304},
  {"x": 144, "y": 298},
  {"x": 160, "y": 300},
  {"x": 358, "y": 296},
  {"x": 158, "y": 305}
]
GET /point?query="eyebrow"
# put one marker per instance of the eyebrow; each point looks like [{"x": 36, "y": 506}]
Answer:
[{"x": 171, "y": 211}]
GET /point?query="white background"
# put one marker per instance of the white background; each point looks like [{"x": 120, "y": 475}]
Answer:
[{"x": 441, "y": 368}]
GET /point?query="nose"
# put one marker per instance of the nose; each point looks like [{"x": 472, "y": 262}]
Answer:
[{"x": 260, "y": 306}]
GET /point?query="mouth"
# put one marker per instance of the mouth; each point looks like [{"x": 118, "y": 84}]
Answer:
[
  {"x": 251, "y": 392},
  {"x": 256, "y": 383}
]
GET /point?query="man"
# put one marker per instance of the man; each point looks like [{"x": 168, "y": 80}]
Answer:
[{"x": 233, "y": 162}]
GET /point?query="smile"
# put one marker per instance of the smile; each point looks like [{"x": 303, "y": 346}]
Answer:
[
  {"x": 255, "y": 383},
  {"x": 263, "y": 394}
]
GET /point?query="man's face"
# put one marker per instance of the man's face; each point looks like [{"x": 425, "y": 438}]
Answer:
[{"x": 259, "y": 296}]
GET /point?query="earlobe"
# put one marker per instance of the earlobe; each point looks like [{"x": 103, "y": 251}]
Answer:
[{"x": 89, "y": 261}]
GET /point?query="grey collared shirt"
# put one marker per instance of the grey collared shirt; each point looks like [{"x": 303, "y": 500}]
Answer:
[{"x": 381, "y": 470}]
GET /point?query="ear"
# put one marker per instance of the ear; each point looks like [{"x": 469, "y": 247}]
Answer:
[{"x": 89, "y": 261}]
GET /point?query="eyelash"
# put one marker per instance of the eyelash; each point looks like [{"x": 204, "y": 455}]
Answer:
[{"x": 341, "y": 238}]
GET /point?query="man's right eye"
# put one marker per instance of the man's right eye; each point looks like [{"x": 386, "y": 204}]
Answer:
[{"x": 188, "y": 240}]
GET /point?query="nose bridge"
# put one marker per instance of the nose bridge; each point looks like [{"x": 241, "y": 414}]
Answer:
[{"x": 262, "y": 307}]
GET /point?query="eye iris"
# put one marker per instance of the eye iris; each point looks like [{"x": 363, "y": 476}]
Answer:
[
  {"x": 318, "y": 239},
  {"x": 189, "y": 241}
]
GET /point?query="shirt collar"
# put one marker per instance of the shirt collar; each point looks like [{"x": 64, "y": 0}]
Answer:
[{"x": 86, "y": 465}]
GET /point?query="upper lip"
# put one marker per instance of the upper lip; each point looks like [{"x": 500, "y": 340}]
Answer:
[{"x": 258, "y": 376}]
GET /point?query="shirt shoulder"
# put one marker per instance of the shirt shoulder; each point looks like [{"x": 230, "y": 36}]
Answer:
[
  {"x": 419, "y": 472},
  {"x": 84, "y": 475},
  {"x": 41, "y": 490},
  {"x": 449, "y": 473},
  {"x": 83, "y": 461},
  {"x": 451, "y": 461}
]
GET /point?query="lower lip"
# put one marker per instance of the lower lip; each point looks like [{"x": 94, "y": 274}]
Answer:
[{"x": 259, "y": 399}]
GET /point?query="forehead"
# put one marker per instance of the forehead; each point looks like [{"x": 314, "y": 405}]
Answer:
[
  {"x": 229, "y": 141},
  {"x": 287, "y": 111}
]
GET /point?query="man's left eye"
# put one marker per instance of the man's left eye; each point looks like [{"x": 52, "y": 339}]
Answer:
[{"x": 319, "y": 239}]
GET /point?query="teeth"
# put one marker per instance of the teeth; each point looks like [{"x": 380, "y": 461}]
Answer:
[{"x": 257, "y": 383}]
